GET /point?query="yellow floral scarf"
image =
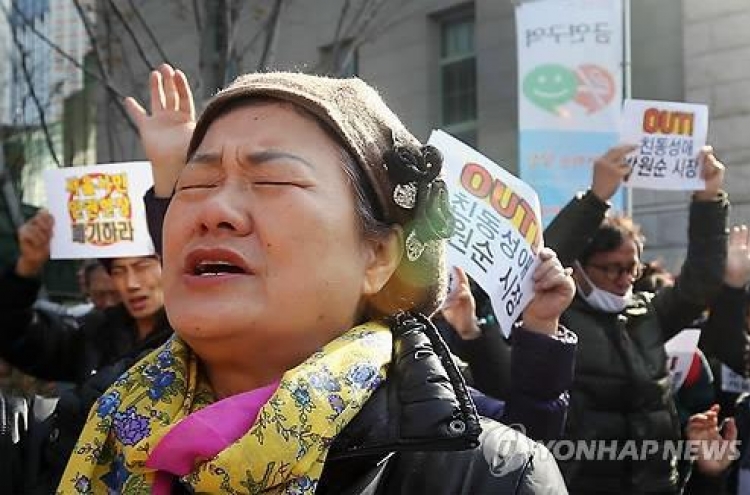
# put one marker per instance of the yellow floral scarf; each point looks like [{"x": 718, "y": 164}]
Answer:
[{"x": 283, "y": 452}]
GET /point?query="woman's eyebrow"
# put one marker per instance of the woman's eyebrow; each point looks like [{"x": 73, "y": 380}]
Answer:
[
  {"x": 253, "y": 158},
  {"x": 265, "y": 156},
  {"x": 209, "y": 158}
]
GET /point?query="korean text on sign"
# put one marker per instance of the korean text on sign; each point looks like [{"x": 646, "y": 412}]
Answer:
[
  {"x": 669, "y": 137},
  {"x": 99, "y": 210},
  {"x": 497, "y": 231},
  {"x": 583, "y": 32}
]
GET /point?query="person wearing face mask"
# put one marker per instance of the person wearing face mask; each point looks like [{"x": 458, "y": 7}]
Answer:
[{"x": 622, "y": 388}]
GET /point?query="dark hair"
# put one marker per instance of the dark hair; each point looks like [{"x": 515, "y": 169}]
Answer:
[
  {"x": 654, "y": 278},
  {"x": 108, "y": 263},
  {"x": 610, "y": 235},
  {"x": 89, "y": 267},
  {"x": 366, "y": 206}
]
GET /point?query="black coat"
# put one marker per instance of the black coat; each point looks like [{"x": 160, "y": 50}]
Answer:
[
  {"x": 50, "y": 346},
  {"x": 90, "y": 354},
  {"x": 419, "y": 433},
  {"x": 622, "y": 389}
]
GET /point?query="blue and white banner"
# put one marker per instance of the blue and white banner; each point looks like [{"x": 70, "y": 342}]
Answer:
[{"x": 570, "y": 55}]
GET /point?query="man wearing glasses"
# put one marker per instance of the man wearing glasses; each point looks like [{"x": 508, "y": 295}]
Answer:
[{"x": 622, "y": 388}]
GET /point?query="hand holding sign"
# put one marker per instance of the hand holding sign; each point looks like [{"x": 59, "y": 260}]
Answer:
[
  {"x": 166, "y": 133},
  {"x": 610, "y": 170},
  {"x": 553, "y": 292},
  {"x": 712, "y": 172},
  {"x": 34, "y": 239}
]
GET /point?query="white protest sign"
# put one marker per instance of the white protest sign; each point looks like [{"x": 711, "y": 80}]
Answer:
[
  {"x": 670, "y": 136},
  {"x": 732, "y": 382},
  {"x": 99, "y": 211},
  {"x": 680, "y": 351},
  {"x": 498, "y": 227}
]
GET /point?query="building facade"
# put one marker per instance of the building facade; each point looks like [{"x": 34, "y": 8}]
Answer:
[
  {"x": 38, "y": 82},
  {"x": 451, "y": 64}
]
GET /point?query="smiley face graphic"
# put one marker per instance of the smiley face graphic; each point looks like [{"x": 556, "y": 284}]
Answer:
[{"x": 549, "y": 86}]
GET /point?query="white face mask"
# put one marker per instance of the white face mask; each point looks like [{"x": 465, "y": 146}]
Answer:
[{"x": 601, "y": 299}]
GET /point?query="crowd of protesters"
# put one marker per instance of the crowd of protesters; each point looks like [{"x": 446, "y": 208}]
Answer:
[{"x": 428, "y": 407}]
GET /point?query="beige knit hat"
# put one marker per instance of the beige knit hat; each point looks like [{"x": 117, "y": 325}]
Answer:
[{"x": 402, "y": 173}]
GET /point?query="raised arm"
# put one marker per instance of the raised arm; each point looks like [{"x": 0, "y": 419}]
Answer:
[
  {"x": 543, "y": 355},
  {"x": 702, "y": 273},
  {"x": 165, "y": 135},
  {"x": 724, "y": 335},
  {"x": 166, "y": 131},
  {"x": 578, "y": 221},
  {"x": 42, "y": 344}
]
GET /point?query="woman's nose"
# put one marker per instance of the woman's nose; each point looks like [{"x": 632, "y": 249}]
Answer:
[{"x": 227, "y": 211}]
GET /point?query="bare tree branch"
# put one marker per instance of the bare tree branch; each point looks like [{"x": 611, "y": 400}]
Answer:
[
  {"x": 197, "y": 16},
  {"x": 272, "y": 31},
  {"x": 27, "y": 22},
  {"x": 98, "y": 58},
  {"x": 250, "y": 44},
  {"x": 232, "y": 59},
  {"x": 131, "y": 33},
  {"x": 149, "y": 31},
  {"x": 368, "y": 29},
  {"x": 32, "y": 92}
]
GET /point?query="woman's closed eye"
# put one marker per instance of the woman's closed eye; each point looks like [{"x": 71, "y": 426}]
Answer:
[
  {"x": 276, "y": 182},
  {"x": 189, "y": 186},
  {"x": 281, "y": 180}
]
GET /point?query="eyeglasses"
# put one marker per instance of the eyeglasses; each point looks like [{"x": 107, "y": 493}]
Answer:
[{"x": 614, "y": 271}]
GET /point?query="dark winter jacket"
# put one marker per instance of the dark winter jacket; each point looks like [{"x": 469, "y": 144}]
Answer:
[
  {"x": 419, "y": 433},
  {"x": 90, "y": 353},
  {"x": 622, "y": 389},
  {"x": 725, "y": 341},
  {"x": 52, "y": 347},
  {"x": 532, "y": 377},
  {"x": 742, "y": 417}
]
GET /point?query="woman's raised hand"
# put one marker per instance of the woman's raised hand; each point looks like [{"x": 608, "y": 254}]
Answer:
[{"x": 167, "y": 129}]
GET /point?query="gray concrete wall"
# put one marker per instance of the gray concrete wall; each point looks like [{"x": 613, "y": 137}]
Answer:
[
  {"x": 658, "y": 74},
  {"x": 682, "y": 50},
  {"x": 717, "y": 72}
]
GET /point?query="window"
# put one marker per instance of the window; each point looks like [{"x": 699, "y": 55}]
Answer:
[
  {"x": 458, "y": 78},
  {"x": 339, "y": 59}
]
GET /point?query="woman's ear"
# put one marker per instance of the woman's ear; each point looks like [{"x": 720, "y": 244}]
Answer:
[{"x": 384, "y": 257}]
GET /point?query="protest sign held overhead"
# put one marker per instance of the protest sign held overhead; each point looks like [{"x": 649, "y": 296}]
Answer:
[
  {"x": 498, "y": 230},
  {"x": 99, "y": 211},
  {"x": 670, "y": 136}
]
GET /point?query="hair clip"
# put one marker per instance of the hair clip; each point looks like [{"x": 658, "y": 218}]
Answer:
[{"x": 405, "y": 195}]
